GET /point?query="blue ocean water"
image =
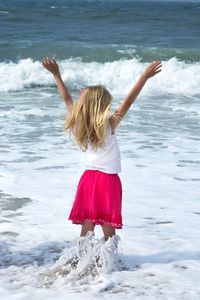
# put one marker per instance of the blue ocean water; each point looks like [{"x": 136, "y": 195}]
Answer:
[
  {"x": 99, "y": 30},
  {"x": 108, "y": 42}
]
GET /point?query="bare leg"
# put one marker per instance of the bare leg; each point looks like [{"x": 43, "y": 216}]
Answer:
[
  {"x": 108, "y": 231},
  {"x": 87, "y": 226}
]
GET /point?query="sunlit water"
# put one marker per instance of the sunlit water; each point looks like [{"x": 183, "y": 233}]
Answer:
[{"x": 159, "y": 255}]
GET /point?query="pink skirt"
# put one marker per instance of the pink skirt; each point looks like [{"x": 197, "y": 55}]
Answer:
[{"x": 98, "y": 199}]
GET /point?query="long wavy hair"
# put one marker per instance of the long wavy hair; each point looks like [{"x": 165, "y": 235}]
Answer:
[{"x": 88, "y": 119}]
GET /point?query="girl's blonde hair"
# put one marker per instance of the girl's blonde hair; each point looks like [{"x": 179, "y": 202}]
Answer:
[{"x": 89, "y": 116}]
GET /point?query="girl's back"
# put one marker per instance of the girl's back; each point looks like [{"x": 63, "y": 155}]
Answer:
[{"x": 106, "y": 158}]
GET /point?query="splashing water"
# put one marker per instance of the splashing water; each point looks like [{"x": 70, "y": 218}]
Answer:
[{"x": 89, "y": 257}]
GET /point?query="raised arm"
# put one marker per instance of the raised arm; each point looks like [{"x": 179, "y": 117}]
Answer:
[
  {"x": 52, "y": 67},
  {"x": 150, "y": 71}
]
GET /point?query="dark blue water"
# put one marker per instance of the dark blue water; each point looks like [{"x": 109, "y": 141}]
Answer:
[{"x": 99, "y": 30}]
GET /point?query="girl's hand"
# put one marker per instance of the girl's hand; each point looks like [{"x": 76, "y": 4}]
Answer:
[
  {"x": 152, "y": 69},
  {"x": 51, "y": 66}
]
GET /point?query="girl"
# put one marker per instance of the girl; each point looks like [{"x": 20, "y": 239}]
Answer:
[{"x": 99, "y": 192}]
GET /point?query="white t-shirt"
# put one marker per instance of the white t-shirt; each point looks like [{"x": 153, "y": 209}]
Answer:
[{"x": 107, "y": 158}]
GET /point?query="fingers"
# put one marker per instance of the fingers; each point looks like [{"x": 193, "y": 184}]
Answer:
[
  {"x": 45, "y": 65},
  {"x": 157, "y": 71},
  {"x": 153, "y": 69},
  {"x": 50, "y": 65},
  {"x": 156, "y": 67},
  {"x": 156, "y": 63},
  {"x": 47, "y": 62}
]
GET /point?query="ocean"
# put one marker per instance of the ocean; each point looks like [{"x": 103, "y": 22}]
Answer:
[{"x": 109, "y": 43}]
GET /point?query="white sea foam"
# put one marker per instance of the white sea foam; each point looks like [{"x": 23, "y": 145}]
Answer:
[
  {"x": 4, "y": 12},
  {"x": 177, "y": 77},
  {"x": 39, "y": 173}
]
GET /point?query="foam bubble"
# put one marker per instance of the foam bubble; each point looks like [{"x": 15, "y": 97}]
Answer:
[{"x": 177, "y": 77}]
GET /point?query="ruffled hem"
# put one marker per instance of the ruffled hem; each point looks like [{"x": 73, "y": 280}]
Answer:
[
  {"x": 97, "y": 222},
  {"x": 100, "y": 218}
]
